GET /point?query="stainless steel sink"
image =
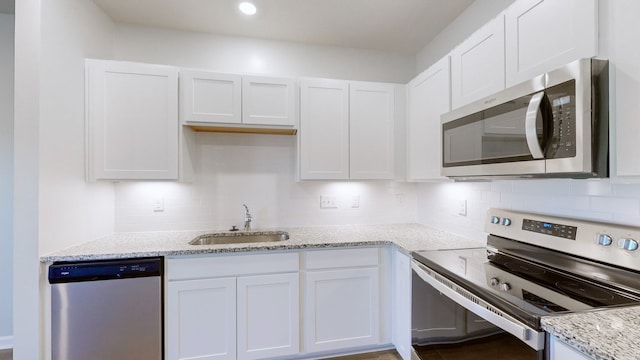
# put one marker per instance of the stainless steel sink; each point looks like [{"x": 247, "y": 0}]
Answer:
[{"x": 239, "y": 238}]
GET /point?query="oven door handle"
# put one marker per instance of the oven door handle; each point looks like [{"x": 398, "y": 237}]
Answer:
[
  {"x": 531, "y": 337},
  {"x": 533, "y": 111}
]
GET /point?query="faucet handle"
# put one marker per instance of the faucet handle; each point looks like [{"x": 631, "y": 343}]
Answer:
[{"x": 247, "y": 218}]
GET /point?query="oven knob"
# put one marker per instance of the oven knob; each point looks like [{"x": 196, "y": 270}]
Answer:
[
  {"x": 628, "y": 244},
  {"x": 506, "y": 221},
  {"x": 494, "y": 281},
  {"x": 505, "y": 287},
  {"x": 495, "y": 220},
  {"x": 604, "y": 240}
]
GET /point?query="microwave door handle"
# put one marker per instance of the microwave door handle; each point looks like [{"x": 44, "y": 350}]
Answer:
[{"x": 533, "y": 111}]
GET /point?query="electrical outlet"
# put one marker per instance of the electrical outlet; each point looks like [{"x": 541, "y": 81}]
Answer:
[
  {"x": 158, "y": 204},
  {"x": 328, "y": 202},
  {"x": 462, "y": 207},
  {"x": 355, "y": 201}
]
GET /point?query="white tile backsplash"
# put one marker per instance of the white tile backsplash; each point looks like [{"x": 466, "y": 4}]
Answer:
[
  {"x": 257, "y": 170},
  {"x": 598, "y": 200}
]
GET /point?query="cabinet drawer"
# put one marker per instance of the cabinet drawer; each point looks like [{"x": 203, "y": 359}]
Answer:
[
  {"x": 326, "y": 259},
  {"x": 191, "y": 267}
]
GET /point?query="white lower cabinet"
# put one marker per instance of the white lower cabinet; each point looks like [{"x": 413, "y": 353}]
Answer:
[
  {"x": 341, "y": 304},
  {"x": 341, "y": 309},
  {"x": 252, "y": 311},
  {"x": 252, "y": 306},
  {"x": 268, "y": 321},
  {"x": 559, "y": 350},
  {"x": 201, "y": 321},
  {"x": 401, "y": 304}
]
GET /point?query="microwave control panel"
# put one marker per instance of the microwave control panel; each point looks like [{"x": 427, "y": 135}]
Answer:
[{"x": 563, "y": 143}]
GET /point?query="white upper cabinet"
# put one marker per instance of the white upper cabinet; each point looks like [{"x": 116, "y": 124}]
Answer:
[
  {"x": 477, "y": 65},
  {"x": 371, "y": 130},
  {"x": 324, "y": 129},
  {"x": 210, "y": 97},
  {"x": 346, "y": 130},
  {"x": 429, "y": 97},
  {"x": 132, "y": 121},
  {"x": 268, "y": 101},
  {"x": 215, "y": 98},
  {"x": 542, "y": 35}
]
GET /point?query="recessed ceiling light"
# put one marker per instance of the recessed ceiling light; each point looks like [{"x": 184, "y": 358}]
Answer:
[{"x": 247, "y": 8}]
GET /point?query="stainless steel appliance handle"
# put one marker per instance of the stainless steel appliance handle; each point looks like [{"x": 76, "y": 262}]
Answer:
[
  {"x": 526, "y": 334},
  {"x": 533, "y": 111}
]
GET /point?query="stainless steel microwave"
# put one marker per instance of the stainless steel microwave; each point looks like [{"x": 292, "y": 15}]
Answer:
[{"x": 555, "y": 125}]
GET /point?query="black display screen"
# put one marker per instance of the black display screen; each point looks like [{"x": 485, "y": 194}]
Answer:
[{"x": 547, "y": 228}]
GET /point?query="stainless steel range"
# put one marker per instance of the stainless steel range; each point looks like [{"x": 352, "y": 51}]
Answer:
[{"x": 533, "y": 266}]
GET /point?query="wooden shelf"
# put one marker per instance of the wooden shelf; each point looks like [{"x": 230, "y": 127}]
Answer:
[{"x": 243, "y": 130}]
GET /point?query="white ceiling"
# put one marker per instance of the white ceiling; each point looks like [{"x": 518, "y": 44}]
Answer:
[
  {"x": 7, "y": 7},
  {"x": 403, "y": 26}
]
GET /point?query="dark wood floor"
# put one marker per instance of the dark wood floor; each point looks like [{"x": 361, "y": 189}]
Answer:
[
  {"x": 6, "y": 354},
  {"x": 378, "y": 355}
]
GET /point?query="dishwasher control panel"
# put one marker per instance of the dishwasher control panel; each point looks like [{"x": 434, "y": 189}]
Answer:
[{"x": 104, "y": 270}]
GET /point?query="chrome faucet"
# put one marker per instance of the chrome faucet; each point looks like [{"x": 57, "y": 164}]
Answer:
[{"x": 247, "y": 218}]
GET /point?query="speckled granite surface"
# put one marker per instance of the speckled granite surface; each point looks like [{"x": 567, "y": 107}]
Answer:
[
  {"x": 408, "y": 237},
  {"x": 607, "y": 334}
]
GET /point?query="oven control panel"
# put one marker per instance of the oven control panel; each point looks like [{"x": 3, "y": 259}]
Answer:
[
  {"x": 549, "y": 228},
  {"x": 606, "y": 242}
]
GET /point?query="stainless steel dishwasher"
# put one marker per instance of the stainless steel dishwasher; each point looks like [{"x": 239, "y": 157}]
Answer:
[{"x": 107, "y": 309}]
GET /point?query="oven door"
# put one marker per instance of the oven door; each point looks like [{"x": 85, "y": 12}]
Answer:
[
  {"x": 447, "y": 319},
  {"x": 501, "y": 135}
]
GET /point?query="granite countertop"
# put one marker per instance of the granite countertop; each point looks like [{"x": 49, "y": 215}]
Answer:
[
  {"x": 604, "y": 334},
  {"x": 407, "y": 237}
]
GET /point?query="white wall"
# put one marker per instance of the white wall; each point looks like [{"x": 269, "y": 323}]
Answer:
[
  {"x": 471, "y": 19},
  {"x": 258, "y": 170},
  {"x": 245, "y": 55},
  {"x": 71, "y": 210},
  {"x": 26, "y": 294},
  {"x": 53, "y": 206},
  {"x": 6, "y": 177}
]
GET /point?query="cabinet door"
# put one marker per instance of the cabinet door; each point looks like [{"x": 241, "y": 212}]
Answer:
[
  {"x": 201, "y": 319},
  {"x": 542, "y": 35},
  {"x": 268, "y": 101},
  {"x": 477, "y": 65},
  {"x": 371, "y": 130},
  {"x": 429, "y": 97},
  {"x": 561, "y": 351},
  {"x": 324, "y": 130},
  {"x": 268, "y": 316},
  {"x": 210, "y": 97},
  {"x": 401, "y": 304},
  {"x": 341, "y": 309},
  {"x": 625, "y": 84},
  {"x": 132, "y": 121}
]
